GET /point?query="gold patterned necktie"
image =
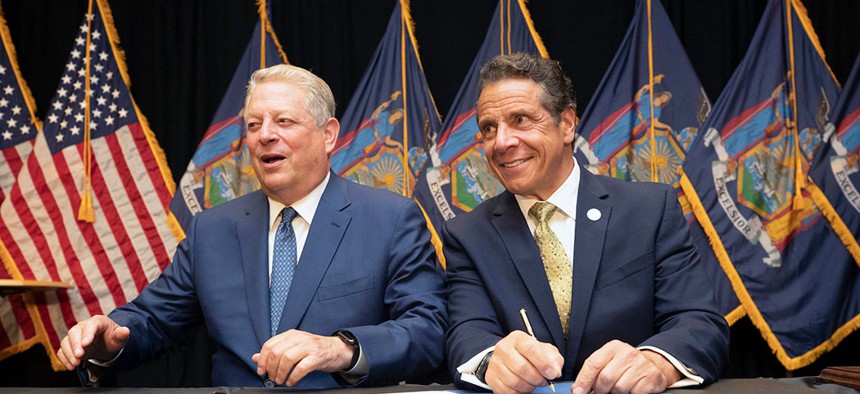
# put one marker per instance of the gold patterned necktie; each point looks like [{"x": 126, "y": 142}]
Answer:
[{"x": 555, "y": 261}]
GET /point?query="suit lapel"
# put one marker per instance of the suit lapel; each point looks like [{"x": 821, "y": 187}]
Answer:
[
  {"x": 517, "y": 239},
  {"x": 588, "y": 250},
  {"x": 327, "y": 230},
  {"x": 253, "y": 241}
]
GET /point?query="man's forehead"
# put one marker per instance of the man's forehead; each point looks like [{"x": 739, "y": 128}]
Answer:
[
  {"x": 277, "y": 90},
  {"x": 507, "y": 93},
  {"x": 510, "y": 86}
]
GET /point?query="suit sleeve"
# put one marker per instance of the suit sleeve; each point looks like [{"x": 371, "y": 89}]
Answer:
[
  {"x": 688, "y": 324},
  {"x": 474, "y": 325},
  {"x": 411, "y": 342},
  {"x": 159, "y": 316}
]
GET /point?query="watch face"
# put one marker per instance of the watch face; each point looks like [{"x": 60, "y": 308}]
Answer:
[{"x": 347, "y": 337}]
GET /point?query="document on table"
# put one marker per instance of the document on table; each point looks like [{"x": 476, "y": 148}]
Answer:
[{"x": 560, "y": 388}]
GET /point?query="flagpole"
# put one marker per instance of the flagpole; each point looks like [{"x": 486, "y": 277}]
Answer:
[
  {"x": 501, "y": 27},
  {"x": 652, "y": 137},
  {"x": 405, "y": 156},
  {"x": 85, "y": 210},
  {"x": 508, "y": 26},
  {"x": 799, "y": 179},
  {"x": 264, "y": 19}
]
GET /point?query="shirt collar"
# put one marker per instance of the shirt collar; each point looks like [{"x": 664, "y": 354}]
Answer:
[
  {"x": 306, "y": 206},
  {"x": 564, "y": 197}
]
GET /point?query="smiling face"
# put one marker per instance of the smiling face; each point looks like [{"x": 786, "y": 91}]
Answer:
[
  {"x": 529, "y": 153},
  {"x": 289, "y": 152}
]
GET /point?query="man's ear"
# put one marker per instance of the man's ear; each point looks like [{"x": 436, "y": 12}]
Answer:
[
  {"x": 331, "y": 129},
  {"x": 568, "y": 124}
]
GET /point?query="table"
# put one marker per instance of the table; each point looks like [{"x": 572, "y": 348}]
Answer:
[
  {"x": 11, "y": 286},
  {"x": 725, "y": 386}
]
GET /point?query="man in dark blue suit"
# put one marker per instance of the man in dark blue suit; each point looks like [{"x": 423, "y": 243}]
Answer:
[
  {"x": 604, "y": 270},
  {"x": 366, "y": 304}
]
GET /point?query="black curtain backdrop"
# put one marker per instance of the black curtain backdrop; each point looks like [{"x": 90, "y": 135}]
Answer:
[{"x": 181, "y": 55}]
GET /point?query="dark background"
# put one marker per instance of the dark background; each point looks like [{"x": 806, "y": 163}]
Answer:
[{"x": 181, "y": 55}]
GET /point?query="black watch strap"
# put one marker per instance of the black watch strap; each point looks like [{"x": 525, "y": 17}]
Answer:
[
  {"x": 349, "y": 338},
  {"x": 481, "y": 371}
]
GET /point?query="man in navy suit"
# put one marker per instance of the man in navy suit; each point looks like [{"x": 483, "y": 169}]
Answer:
[
  {"x": 624, "y": 306},
  {"x": 366, "y": 304}
]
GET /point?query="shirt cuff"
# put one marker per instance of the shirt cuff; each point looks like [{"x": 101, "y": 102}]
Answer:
[
  {"x": 108, "y": 363},
  {"x": 94, "y": 367},
  {"x": 361, "y": 367},
  {"x": 691, "y": 377},
  {"x": 354, "y": 374},
  {"x": 467, "y": 370}
]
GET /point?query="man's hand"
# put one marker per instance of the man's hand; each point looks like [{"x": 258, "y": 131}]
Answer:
[
  {"x": 520, "y": 363},
  {"x": 619, "y": 367},
  {"x": 295, "y": 354},
  {"x": 98, "y": 338}
]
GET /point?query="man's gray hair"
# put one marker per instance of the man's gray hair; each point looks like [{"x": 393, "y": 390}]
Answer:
[
  {"x": 319, "y": 100},
  {"x": 556, "y": 88}
]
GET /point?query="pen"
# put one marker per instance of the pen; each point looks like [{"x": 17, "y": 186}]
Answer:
[{"x": 532, "y": 333}]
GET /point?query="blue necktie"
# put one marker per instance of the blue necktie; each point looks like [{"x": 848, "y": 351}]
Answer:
[{"x": 283, "y": 265}]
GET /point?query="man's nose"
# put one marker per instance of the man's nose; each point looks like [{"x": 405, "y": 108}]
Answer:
[
  {"x": 505, "y": 137},
  {"x": 267, "y": 131}
]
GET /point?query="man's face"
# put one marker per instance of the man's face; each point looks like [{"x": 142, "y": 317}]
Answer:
[
  {"x": 528, "y": 152},
  {"x": 290, "y": 154}
]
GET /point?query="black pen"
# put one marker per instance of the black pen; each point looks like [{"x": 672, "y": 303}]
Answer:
[{"x": 532, "y": 333}]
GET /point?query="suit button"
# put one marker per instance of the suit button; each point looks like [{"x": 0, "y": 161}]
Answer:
[{"x": 269, "y": 383}]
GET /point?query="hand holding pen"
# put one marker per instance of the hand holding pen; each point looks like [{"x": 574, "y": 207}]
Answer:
[
  {"x": 520, "y": 363},
  {"x": 532, "y": 333}
]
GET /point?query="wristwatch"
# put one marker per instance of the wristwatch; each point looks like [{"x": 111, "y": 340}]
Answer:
[
  {"x": 347, "y": 337},
  {"x": 481, "y": 371}
]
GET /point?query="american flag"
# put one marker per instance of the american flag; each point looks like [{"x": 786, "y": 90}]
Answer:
[
  {"x": 18, "y": 125},
  {"x": 94, "y": 143},
  {"x": 18, "y": 128}
]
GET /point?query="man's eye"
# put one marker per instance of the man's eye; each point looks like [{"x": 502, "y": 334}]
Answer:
[
  {"x": 520, "y": 119},
  {"x": 488, "y": 132},
  {"x": 253, "y": 125}
]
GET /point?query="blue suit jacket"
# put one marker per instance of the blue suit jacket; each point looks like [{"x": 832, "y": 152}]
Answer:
[
  {"x": 367, "y": 267},
  {"x": 636, "y": 278}
]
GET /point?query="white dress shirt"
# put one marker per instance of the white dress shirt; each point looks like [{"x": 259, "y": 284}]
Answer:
[{"x": 306, "y": 208}]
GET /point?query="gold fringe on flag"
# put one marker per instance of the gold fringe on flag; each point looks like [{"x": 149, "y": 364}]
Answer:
[
  {"x": 30, "y": 304},
  {"x": 266, "y": 27},
  {"x": 848, "y": 239},
  {"x": 13, "y": 60},
  {"x": 535, "y": 36}
]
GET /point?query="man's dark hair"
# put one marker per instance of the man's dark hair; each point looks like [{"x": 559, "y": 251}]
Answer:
[{"x": 556, "y": 88}]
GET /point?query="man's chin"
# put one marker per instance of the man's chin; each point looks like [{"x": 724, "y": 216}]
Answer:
[
  {"x": 521, "y": 188},
  {"x": 514, "y": 188},
  {"x": 272, "y": 185}
]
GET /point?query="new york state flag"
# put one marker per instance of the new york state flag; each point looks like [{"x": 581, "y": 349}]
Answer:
[{"x": 746, "y": 178}]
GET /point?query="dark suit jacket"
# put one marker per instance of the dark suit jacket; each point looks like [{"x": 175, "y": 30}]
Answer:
[
  {"x": 636, "y": 278},
  {"x": 367, "y": 267}
]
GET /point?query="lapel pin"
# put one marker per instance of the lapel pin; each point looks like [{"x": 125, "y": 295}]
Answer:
[{"x": 593, "y": 214}]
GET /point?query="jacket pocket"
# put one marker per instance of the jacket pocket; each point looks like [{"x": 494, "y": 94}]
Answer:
[
  {"x": 344, "y": 289},
  {"x": 623, "y": 272}
]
